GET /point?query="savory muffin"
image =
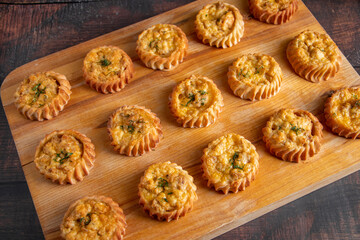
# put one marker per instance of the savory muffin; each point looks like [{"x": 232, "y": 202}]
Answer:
[
  {"x": 166, "y": 191},
  {"x": 196, "y": 102},
  {"x": 293, "y": 135},
  {"x": 134, "y": 130},
  {"x": 273, "y": 11},
  {"x": 107, "y": 69},
  {"x": 230, "y": 163},
  {"x": 255, "y": 77},
  {"x": 162, "y": 46},
  {"x": 42, "y": 95},
  {"x": 219, "y": 24},
  {"x": 342, "y": 112},
  {"x": 95, "y": 217},
  {"x": 65, "y": 156},
  {"x": 314, "y": 56}
]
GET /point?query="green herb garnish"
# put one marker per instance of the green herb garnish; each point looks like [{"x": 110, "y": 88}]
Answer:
[
  {"x": 162, "y": 182},
  {"x": 202, "y": 92},
  {"x": 170, "y": 193},
  {"x": 296, "y": 129},
  {"x": 105, "y": 62},
  {"x": 191, "y": 99},
  {"x": 165, "y": 200},
  {"x": 37, "y": 92},
  {"x": 61, "y": 157},
  {"x": 233, "y": 160},
  {"x": 84, "y": 221},
  {"x": 131, "y": 128},
  {"x": 258, "y": 69}
]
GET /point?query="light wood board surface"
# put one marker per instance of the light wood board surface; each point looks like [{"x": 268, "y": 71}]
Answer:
[{"x": 116, "y": 176}]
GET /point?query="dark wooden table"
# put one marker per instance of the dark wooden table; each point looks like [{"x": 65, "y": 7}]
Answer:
[{"x": 34, "y": 29}]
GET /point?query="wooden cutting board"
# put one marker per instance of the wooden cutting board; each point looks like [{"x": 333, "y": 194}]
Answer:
[{"x": 117, "y": 176}]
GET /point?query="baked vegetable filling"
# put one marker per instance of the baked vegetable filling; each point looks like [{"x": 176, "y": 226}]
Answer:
[
  {"x": 217, "y": 20},
  {"x": 316, "y": 48},
  {"x": 38, "y": 90},
  {"x": 273, "y": 5},
  {"x": 60, "y": 155},
  {"x": 291, "y": 129},
  {"x": 91, "y": 219},
  {"x": 105, "y": 64}
]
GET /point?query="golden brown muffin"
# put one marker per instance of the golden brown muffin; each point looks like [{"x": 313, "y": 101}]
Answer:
[
  {"x": 255, "y": 77},
  {"x": 42, "y": 95},
  {"x": 342, "y": 112},
  {"x": 166, "y": 191},
  {"x": 134, "y": 130},
  {"x": 293, "y": 135},
  {"x": 94, "y": 218},
  {"x": 314, "y": 56},
  {"x": 219, "y": 24},
  {"x": 107, "y": 69},
  {"x": 196, "y": 102},
  {"x": 273, "y": 11},
  {"x": 162, "y": 46},
  {"x": 65, "y": 156},
  {"x": 230, "y": 163}
]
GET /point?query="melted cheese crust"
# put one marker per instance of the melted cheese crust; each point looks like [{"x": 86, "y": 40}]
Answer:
[
  {"x": 105, "y": 64},
  {"x": 315, "y": 48},
  {"x": 38, "y": 90},
  {"x": 131, "y": 125},
  {"x": 345, "y": 110},
  {"x": 257, "y": 70},
  {"x": 229, "y": 159},
  {"x": 290, "y": 129},
  {"x": 217, "y": 20},
  {"x": 162, "y": 40},
  {"x": 166, "y": 187},
  {"x": 195, "y": 95},
  {"x": 91, "y": 219},
  {"x": 273, "y": 5},
  {"x": 59, "y": 156}
]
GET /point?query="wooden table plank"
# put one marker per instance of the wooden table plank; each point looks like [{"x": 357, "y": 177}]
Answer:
[{"x": 352, "y": 56}]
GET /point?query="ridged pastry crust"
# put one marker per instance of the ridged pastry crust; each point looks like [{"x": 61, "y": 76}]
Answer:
[
  {"x": 342, "y": 112},
  {"x": 134, "y": 130},
  {"x": 275, "y": 12},
  {"x": 166, "y": 191},
  {"x": 196, "y": 102},
  {"x": 42, "y": 95},
  {"x": 230, "y": 163},
  {"x": 65, "y": 156},
  {"x": 95, "y": 217},
  {"x": 293, "y": 135},
  {"x": 107, "y": 69},
  {"x": 314, "y": 56},
  {"x": 162, "y": 46},
  {"x": 255, "y": 77},
  {"x": 219, "y": 24}
]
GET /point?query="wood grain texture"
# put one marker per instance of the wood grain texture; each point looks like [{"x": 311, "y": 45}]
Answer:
[{"x": 275, "y": 230}]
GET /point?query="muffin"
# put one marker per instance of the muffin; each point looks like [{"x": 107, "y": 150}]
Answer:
[
  {"x": 255, "y": 77},
  {"x": 275, "y": 12},
  {"x": 219, "y": 24},
  {"x": 314, "y": 56},
  {"x": 166, "y": 191},
  {"x": 65, "y": 156},
  {"x": 196, "y": 102},
  {"x": 42, "y": 95},
  {"x": 107, "y": 69},
  {"x": 342, "y": 112},
  {"x": 162, "y": 46},
  {"x": 230, "y": 163},
  {"x": 293, "y": 135},
  {"x": 95, "y": 217},
  {"x": 134, "y": 130}
]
